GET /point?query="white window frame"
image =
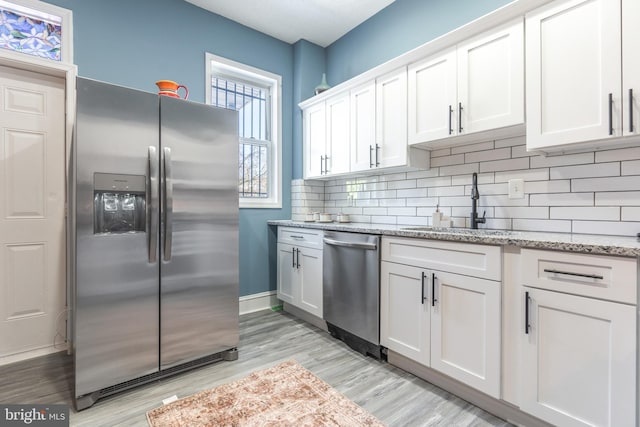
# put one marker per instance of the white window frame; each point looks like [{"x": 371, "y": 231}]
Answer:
[
  {"x": 218, "y": 65},
  {"x": 66, "y": 40}
]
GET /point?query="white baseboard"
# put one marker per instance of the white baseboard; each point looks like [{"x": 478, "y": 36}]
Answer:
[
  {"x": 18, "y": 357},
  {"x": 257, "y": 302}
]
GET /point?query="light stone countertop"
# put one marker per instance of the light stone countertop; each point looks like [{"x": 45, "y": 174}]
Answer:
[{"x": 584, "y": 243}]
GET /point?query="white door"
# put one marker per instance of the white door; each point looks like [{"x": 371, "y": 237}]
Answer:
[
  {"x": 465, "y": 330},
  {"x": 433, "y": 98},
  {"x": 32, "y": 219},
  {"x": 337, "y": 145},
  {"x": 491, "y": 79},
  {"x": 315, "y": 127},
  {"x": 391, "y": 119},
  {"x": 404, "y": 310},
  {"x": 573, "y": 65},
  {"x": 311, "y": 281},
  {"x": 363, "y": 127},
  {"x": 579, "y": 361},
  {"x": 287, "y": 273},
  {"x": 630, "y": 67}
]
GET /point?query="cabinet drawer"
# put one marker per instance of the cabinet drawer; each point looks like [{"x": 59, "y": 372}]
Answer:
[
  {"x": 605, "y": 277},
  {"x": 481, "y": 261},
  {"x": 300, "y": 237}
]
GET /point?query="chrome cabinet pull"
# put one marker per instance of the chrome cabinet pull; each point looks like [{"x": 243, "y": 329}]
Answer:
[
  {"x": 459, "y": 117},
  {"x": 433, "y": 290},
  {"x": 371, "y": 156},
  {"x": 569, "y": 273},
  {"x": 167, "y": 204},
  {"x": 610, "y": 114},
  {"x": 450, "y": 124},
  {"x": 293, "y": 257},
  {"x": 423, "y": 296},
  {"x": 630, "y": 110},
  {"x": 377, "y": 155},
  {"x": 297, "y": 258},
  {"x": 152, "y": 205},
  {"x": 526, "y": 313}
]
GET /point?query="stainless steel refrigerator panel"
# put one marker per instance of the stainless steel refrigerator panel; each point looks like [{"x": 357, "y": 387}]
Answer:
[
  {"x": 116, "y": 326},
  {"x": 351, "y": 291},
  {"x": 199, "y": 231}
]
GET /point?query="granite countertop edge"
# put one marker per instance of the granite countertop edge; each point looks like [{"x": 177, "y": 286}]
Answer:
[{"x": 583, "y": 243}]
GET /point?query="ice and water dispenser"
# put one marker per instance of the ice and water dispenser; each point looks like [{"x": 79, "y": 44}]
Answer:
[{"x": 119, "y": 203}]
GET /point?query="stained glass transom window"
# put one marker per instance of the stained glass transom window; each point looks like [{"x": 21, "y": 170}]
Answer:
[{"x": 29, "y": 31}]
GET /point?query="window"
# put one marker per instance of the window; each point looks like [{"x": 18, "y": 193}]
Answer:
[
  {"x": 36, "y": 28},
  {"x": 255, "y": 94}
]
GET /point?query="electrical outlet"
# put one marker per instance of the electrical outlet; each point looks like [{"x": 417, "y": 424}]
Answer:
[{"x": 516, "y": 189}]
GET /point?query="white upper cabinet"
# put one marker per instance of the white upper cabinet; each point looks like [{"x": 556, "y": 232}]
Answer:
[
  {"x": 391, "y": 119},
  {"x": 631, "y": 67},
  {"x": 433, "y": 98},
  {"x": 315, "y": 128},
  {"x": 574, "y": 72},
  {"x": 338, "y": 135},
  {"x": 326, "y": 137},
  {"x": 476, "y": 86},
  {"x": 363, "y": 127}
]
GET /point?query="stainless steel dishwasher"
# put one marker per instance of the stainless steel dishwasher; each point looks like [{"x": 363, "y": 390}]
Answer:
[{"x": 351, "y": 290}]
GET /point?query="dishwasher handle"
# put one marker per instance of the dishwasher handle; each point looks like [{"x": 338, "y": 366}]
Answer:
[{"x": 366, "y": 246}]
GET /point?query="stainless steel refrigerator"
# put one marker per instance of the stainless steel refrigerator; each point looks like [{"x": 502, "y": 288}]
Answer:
[{"x": 154, "y": 237}]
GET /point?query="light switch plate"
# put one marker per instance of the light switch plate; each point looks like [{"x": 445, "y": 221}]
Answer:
[{"x": 516, "y": 189}]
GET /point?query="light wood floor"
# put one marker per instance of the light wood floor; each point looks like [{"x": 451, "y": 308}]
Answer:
[{"x": 266, "y": 338}]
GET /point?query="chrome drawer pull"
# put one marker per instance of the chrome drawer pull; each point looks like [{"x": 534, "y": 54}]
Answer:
[
  {"x": 568, "y": 273},
  {"x": 296, "y": 237}
]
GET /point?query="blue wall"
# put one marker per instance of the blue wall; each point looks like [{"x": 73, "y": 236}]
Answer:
[
  {"x": 135, "y": 43},
  {"x": 400, "y": 27}
]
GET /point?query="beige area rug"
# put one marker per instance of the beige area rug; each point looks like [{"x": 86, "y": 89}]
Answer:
[{"x": 284, "y": 395}]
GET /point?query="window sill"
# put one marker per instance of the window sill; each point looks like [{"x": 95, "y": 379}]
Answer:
[{"x": 264, "y": 204}]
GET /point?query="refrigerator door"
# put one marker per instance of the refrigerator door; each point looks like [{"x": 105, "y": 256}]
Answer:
[
  {"x": 199, "y": 231},
  {"x": 116, "y": 293}
]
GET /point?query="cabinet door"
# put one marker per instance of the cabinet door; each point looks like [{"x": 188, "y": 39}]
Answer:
[
  {"x": 433, "y": 98},
  {"x": 363, "y": 127},
  {"x": 404, "y": 311},
  {"x": 465, "y": 330},
  {"x": 491, "y": 80},
  {"x": 337, "y": 146},
  {"x": 630, "y": 67},
  {"x": 391, "y": 119},
  {"x": 287, "y": 273},
  {"x": 315, "y": 126},
  {"x": 579, "y": 360},
  {"x": 573, "y": 64},
  {"x": 311, "y": 281}
]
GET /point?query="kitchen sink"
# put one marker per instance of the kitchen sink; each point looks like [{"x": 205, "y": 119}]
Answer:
[{"x": 479, "y": 232}]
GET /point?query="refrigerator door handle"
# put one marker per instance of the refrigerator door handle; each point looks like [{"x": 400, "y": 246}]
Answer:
[
  {"x": 152, "y": 206},
  {"x": 167, "y": 204}
]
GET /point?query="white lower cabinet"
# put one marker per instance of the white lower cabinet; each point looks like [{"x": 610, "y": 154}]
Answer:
[
  {"x": 579, "y": 360},
  {"x": 300, "y": 269},
  {"x": 578, "y": 346},
  {"x": 441, "y": 319}
]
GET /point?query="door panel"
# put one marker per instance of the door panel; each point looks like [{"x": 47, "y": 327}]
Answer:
[
  {"x": 199, "y": 278},
  {"x": 116, "y": 316},
  {"x": 287, "y": 273},
  {"x": 363, "y": 127},
  {"x": 391, "y": 118},
  {"x": 315, "y": 129},
  {"x": 465, "y": 336},
  {"x": 311, "y": 280},
  {"x": 404, "y": 315},
  {"x": 579, "y": 361},
  {"x": 32, "y": 194}
]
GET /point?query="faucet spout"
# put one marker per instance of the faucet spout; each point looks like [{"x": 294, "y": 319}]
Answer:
[{"x": 475, "y": 195}]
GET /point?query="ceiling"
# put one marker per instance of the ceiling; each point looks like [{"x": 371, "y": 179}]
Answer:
[{"x": 319, "y": 21}]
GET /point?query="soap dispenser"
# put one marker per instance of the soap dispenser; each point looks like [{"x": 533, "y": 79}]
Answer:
[{"x": 436, "y": 217}]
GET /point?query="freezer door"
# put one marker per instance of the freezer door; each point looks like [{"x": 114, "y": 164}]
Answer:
[
  {"x": 199, "y": 231},
  {"x": 117, "y": 289}
]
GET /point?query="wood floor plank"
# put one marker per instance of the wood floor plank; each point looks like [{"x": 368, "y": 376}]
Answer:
[{"x": 266, "y": 338}]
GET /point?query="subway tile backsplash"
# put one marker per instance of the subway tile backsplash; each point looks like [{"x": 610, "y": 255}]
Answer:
[{"x": 593, "y": 192}]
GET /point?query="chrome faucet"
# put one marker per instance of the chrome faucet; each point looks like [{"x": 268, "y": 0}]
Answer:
[{"x": 475, "y": 195}]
